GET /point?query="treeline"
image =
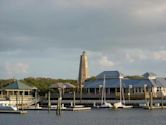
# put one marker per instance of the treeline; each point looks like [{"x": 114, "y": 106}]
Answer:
[
  {"x": 135, "y": 77},
  {"x": 5, "y": 82},
  {"x": 41, "y": 83}
]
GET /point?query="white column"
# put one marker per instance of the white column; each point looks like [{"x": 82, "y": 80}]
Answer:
[{"x": 88, "y": 90}]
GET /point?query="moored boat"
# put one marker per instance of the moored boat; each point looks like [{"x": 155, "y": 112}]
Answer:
[
  {"x": 104, "y": 103},
  {"x": 8, "y": 107},
  {"x": 121, "y": 103}
]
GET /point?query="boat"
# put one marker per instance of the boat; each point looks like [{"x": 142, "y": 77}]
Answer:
[
  {"x": 8, "y": 107},
  {"x": 104, "y": 103},
  {"x": 121, "y": 104}
]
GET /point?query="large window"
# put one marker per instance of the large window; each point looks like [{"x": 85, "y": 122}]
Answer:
[
  {"x": 118, "y": 89},
  {"x": 158, "y": 89},
  {"x": 92, "y": 90},
  {"x": 26, "y": 92},
  {"x": 112, "y": 90}
]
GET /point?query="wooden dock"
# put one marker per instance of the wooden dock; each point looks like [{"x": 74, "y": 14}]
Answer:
[
  {"x": 74, "y": 108},
  {"x": 78, "y": 108},
  {"x": 13, "y": 112},
  {"x": 155, "y": 107}
]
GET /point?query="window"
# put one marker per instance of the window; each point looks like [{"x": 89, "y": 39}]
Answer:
[
  {"x": 97, "y": 90},
  {"x": 112, "y": 90},
  {"x": 92, "y": 90},
  {"x": 118, "y": 89},
  {"x": 158, "y": 89},
  {"x": 26, "y": 93}
]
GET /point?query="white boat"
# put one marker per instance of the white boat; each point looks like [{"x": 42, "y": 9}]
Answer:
[
  {"x": 121, "y": 104},
  {"x": 55, "y": 106},
  {"x": 104, "y": 103},
  {"x": 8, "y": 107}
]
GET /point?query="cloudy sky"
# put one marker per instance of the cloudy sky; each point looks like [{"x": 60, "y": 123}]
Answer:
[{"x": 46, "y": 37}]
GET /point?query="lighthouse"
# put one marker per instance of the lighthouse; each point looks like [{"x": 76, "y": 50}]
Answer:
[{"x": 83, "y": 69}]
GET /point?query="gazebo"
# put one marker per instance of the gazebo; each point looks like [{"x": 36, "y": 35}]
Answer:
[
  {"x": 61, "y": 87},
  {"x": 16, "y": 92}
]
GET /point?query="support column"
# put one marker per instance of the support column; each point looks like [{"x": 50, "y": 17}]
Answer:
[
  {"x": 88, "y": 90},
  {"x": 74, "y": 98},
  {"x": 22, "y": 100},
  {"x": 36, "y": 98},
  {"x": 109, "y": 91},
  {"x": 162, "y": 104},
  {"x": 17, "y": 100},
  {"x": 95, "y": 90},
  {"x": 151, "y": 100},
  {"x": 49, "y": 101},
  {"x": 7, "y": 93},
  {"x": 2, "y": 93}
]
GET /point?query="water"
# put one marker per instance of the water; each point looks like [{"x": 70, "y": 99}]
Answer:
[{"x": 94, "y": 117}]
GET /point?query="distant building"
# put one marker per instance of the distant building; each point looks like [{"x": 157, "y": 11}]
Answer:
[
  {"x": 133, "y": 87},
  {"x": 83, "y": 69},
  {"x": 18, "y": 93}
]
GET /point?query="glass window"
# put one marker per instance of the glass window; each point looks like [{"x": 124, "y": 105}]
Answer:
[
  {"x": 158, "y": 89},
  {"x": 26, "y": 93}
]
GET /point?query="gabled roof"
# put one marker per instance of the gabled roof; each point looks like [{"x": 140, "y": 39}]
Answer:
[
  {"x": 18, "y": 85},
  {"x": 62, "y": 85},
  {"x": 109, "y": 74},
  {"x": 112, "y": 80},
  {"x": 149, "y": 74},
  {"x": 136, "y": 83}
]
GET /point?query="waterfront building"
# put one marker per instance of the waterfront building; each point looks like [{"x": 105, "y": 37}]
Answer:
[
  {"x": 83, "y": 69},
  {"x": 18, "y": 93},
  {"x": 134, "y": 88}
]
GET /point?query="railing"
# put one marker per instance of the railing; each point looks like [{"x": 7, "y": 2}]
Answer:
[{"x": 25, "y": 97}]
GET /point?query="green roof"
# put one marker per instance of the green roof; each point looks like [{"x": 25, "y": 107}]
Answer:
[{"x": 18, "y": 85}]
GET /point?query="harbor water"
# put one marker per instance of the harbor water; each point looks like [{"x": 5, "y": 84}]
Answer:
[{"x": 93, "y": 117}]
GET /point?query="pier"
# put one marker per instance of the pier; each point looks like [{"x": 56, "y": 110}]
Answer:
[
  {"x": 90, "y": 103},
  {"x": 13, "y": 112}
]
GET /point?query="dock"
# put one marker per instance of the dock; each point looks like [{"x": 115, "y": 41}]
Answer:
[
  {"x": 54, "y": 108},
  {"x": 155, "y": 107},
  {"x": 13, "y": 112},
  {"x": 78, "y": 108}
]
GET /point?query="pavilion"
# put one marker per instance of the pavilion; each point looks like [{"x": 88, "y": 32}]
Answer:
[
  {"x": 18, "y": 92},
  {"x": 133, "y": 87}
]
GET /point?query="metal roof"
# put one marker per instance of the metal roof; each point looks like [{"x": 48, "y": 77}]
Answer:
[
  {"x": 109, "y": 74},
  {"x": 149, "y": 74},
  {"x": 18, "y": 85},
  {"x": 61, "y": 85},
  {"x": 115, "y": 83},
  {"x": 112, "y": 80}
]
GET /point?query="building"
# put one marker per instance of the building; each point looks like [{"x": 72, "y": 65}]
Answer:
[
  {"x": 83, "y": 69},
  {"x": 135, "y": 88},
  {"x": 18, "y": 93}
]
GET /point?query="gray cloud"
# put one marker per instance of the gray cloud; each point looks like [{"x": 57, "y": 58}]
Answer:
[
  {"x": 37, "y": 29},
  {"x": 106, "y": 24}
]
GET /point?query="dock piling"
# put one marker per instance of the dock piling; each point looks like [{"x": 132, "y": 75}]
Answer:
[
  {"x": 162, "y": 103},
  {"x": 151, "y": 100},
  {"x": 49, "y": 101}
]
